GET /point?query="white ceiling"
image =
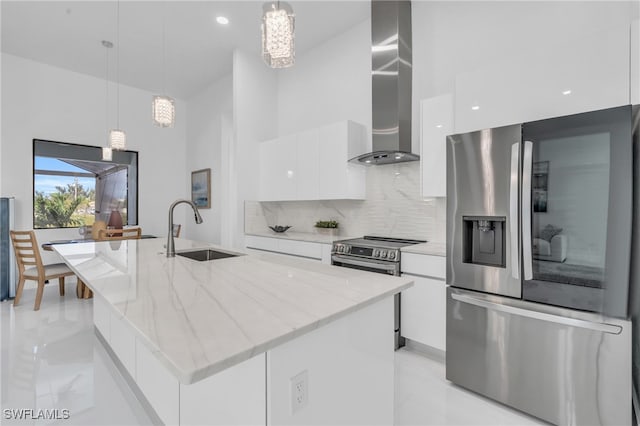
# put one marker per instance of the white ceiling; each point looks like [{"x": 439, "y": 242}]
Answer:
[{"x": 68, "y": 34}]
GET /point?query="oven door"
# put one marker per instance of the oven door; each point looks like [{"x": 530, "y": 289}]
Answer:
[{"x": 381, "y": 267}]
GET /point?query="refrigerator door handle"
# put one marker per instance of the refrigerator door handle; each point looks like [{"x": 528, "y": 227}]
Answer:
[
  {"x": 527, "y": 165},
  {"x": 513, "y": 210},
  {"x": 542, "y": 316}
]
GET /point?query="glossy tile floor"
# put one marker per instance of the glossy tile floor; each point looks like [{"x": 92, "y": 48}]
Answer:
[{"x": 51, "y": 359}]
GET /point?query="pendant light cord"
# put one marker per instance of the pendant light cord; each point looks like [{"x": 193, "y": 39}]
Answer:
[
  {"x": 106, "y": 83},
  {"x": 164, "y": 49},
  {"x": 118, "y": 64}
]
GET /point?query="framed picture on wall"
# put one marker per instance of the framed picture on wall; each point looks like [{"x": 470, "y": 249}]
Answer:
[{"x": 201, "y": 188}]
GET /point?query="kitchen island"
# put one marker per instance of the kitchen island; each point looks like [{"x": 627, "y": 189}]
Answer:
[{"x": 246, "y": 339}]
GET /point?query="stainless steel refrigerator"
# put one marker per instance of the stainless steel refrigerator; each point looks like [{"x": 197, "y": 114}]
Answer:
[{"x": 539, "y": 221}]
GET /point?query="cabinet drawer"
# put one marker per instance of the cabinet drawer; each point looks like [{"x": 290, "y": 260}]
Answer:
[
  {"x": 301, "y": 248},
  {"x": 261, "y": 243},
  {"x": 424, "y": 265},
  {"x": 284, "y": 246}
]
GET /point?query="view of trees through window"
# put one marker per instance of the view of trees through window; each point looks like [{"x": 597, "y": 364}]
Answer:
[
  {"x": 73, "y": 186},
  {"x": 65, "y": 195}
]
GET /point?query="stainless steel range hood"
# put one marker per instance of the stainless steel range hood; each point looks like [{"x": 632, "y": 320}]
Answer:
[{"x": 391, "y": 84}]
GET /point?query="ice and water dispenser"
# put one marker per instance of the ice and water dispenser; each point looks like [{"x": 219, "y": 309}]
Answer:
[{"x": 483, "y": 240}]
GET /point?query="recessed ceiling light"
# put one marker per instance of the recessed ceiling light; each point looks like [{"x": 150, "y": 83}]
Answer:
[
  {"x": 475, "y": 107},
  {"x": 222, "y": 20},
  {"x": 439, "y": 126},
  {"x": 566, "y": 92}
]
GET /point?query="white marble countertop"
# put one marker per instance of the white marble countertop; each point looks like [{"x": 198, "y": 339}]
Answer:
[
  {"x": 429, "y": 248},
  {"x": 300, "y": 236},
  {"x": 199, "y": 318}
]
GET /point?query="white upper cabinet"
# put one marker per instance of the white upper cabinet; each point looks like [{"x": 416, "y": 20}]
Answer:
[
  {"x": 313, "y": 165},
  {"x": 308, "y": 165},
  {"x": 340, "y": 179},
  {"x": 278, "y": 181},
  {"x": 436, "y": 122},
  {"x": 635, "y": 62},
  {"x": 572, "y": 76}
]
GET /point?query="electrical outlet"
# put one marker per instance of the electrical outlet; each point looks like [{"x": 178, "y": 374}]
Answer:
[{"x": 299, "y": 391}]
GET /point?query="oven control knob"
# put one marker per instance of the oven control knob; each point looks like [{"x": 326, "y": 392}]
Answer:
[
  {"x": 383, "y": 253},
  {"x": 347, "y": 249},
  {"x": 339, "y": 248},
  {"x": 392, "y": 255},
  {"x": 376, "y": 252}
]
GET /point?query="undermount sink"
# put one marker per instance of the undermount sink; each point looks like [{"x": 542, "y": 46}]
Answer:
[{"x": 205, "y": 254}]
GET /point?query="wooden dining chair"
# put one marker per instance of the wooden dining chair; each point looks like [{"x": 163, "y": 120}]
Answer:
[
  {"x": 30, "y": 267},
  {"x": 119, "y": 234}
]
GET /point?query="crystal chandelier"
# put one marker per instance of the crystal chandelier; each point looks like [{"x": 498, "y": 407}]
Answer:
[
  {"x": 107, "y": 154},
  {"x": 117, "y": 137},
  {"x": 278, "y": 47},
  {"x": 163, "y": 109}
]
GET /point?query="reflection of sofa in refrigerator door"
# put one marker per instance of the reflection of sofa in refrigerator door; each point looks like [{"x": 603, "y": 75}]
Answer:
[{"x": 554, "y": 250}]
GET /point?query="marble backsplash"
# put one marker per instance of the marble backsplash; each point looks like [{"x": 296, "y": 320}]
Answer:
[{"x": 393, "y": 207}]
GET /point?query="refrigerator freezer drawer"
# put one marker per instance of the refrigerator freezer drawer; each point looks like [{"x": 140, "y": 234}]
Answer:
[{"x": 564, "y": 366}]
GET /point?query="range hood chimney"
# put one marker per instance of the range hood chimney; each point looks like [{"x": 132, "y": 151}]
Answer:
[{"x": 391, "y": 84}]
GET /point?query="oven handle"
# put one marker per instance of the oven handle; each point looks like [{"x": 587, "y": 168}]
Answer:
[{"x": 355, "y": 262}]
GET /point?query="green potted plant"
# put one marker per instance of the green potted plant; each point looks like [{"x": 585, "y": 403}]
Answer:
[{"x": 327, "y": 227}]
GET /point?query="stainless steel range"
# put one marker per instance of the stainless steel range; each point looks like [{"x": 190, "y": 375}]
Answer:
[{"x": 374, "y": 254}]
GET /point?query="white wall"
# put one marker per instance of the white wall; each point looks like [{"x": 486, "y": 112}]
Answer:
[
  {"x": 204, "y": 150},
  {"x": 255, "y": 117},
  {"x": 329, "y": 83},
  {"x": 45, "y": 102}
]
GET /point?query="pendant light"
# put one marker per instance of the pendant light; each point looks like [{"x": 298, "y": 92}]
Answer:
[
  {"x": 117, "y": 137},
  {"x": 163, "y": 109},
  {"x": 278, "y": 38},
  {"x": 107, "y": 153}
]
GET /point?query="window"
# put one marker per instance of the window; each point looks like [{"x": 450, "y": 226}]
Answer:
[{"x": 73, "y": 186}]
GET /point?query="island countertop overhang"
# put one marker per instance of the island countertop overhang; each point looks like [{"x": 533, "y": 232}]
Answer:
[{"x": 199, "y": 318}]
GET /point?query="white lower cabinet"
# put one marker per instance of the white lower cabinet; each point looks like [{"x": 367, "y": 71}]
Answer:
[
  {"x": 102, "y": 316},
  {"x": 307, "y": 249},
  {"x": 345, "y": 368},
  {"x": 235, "y": 396},
  {"x": 424, "y": 306},
  {"x": 423, "y": 314},
  {"x": 123, "y": 343},
  {"x": 355, "y": 352},
  {"x": 159, "y": 386}
]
